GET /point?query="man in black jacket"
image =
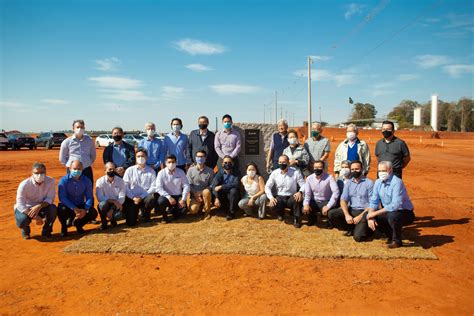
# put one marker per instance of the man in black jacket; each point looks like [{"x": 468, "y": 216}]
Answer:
[
  {"x": 202, "y": 139},
  {"x": 225, "y": 187},
  {"x": 119, "y": 152}
]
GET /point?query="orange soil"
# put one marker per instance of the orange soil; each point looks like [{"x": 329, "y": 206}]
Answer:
[{"x": 38, "y": 278}]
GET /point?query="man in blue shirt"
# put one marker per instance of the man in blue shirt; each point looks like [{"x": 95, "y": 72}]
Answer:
[
  {"x": 119, "y": 152},
  {"x": 225, "y": 187},
  {"x": 354, "y": 203},
  {"x": 176, "y": 143},
  {"x": 76, "y": 199},
  {"x": 397, "y": 209},
  {"x": 154, "y": 147}
]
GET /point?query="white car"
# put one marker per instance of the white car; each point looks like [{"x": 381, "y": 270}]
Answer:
[{"x": 104, "y": 140}]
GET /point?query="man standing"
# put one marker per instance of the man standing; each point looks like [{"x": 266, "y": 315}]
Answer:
[
  {"x": 318, "y": 146},
  {"x": 76, "y": 199},
  {"x": 289, "y": 185},
  {"x": 176, "y": 143},
  {"x": 352, "y": 149},
  {"x": 278, "y": 144},
  {"x": 202, "y": 139},
  {"x": 34, "y": 201},
  {"x": 119, "y": 152},
  {"x": 392, "y": 149},
  {"x": 154, "y": 147},
  {"x": 200, "y": 179},
  {"x": 227, "y": 143},
  {"x": 110, "y": 192},
  {"x": 78, "y": 147},
  {"x": 225, "y": 188}
]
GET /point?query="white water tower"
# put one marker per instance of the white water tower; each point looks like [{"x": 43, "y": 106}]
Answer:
[
  {"x": 434, "y": 112},
  {"x": 417, "y": 116}
]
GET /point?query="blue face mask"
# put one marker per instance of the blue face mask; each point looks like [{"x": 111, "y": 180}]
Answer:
[
  {"x": 227, "y": 125},
  {"x": 76, "y": 173},
  {"x": 200, "y": 160}
]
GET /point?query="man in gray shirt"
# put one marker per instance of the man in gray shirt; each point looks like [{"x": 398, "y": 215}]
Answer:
[
  {"x": 200, "y": 178},
  {"x": 318, "y": 146}
]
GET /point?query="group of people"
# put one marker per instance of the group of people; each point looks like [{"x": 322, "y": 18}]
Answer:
[{"x": 176, "y": 176}]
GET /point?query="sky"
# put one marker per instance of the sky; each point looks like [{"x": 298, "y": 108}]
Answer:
[{"x": 129, "y": 62}]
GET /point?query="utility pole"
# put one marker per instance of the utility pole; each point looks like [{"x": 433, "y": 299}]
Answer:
[
  {"x": 281, "y": 113},
  {"x": 276, "y": 108},
  {"x": 320, "y": 115},
  {"x": 264, "y": 110},
  {"x": 309, "y": 96}
]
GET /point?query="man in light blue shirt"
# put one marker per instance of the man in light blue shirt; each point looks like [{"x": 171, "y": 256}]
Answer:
[
  {"x": 176, "y": 143},
  {"x": 396, "y": 210},
  {"x": 154, "y": 147}
]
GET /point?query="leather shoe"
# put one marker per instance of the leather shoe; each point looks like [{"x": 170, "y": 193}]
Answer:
[
  {"x": 297, "y": 223},
  {"x": 349, "y": 233},
  {"x": 280, "y": 218},
  {"x": 394, "y": 244}
]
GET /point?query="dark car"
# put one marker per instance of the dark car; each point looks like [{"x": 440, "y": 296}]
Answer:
[
  {"x": 50, "y": 139},
  {"x": 16, "y": 141}
]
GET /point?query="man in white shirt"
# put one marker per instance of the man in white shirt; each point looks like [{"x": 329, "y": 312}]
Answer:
[
  {"x": 289, "y": 187},
  {"x": 110, "y": 192},
  {"x": 173, "y": 187},
  {"x": 34, "y": 201},
  {"x": 139, "y": 189}
]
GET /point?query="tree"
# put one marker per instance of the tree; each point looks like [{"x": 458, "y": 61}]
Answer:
[
  {"x": 363, "y": 111},
  {"x": 466, "y": 123},
  {"x": 403, "y": 113}
]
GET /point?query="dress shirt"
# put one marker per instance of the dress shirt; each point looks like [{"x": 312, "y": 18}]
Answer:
[
  {"x": 286, "y": 182},
  {"x": 76, "y": 192},
  {"x": 392, "y": 194},
  {"x": 170, "y": 183},
  {"x": 321, "y": 190},
  {"x": 139, "y": 182},
  {"x": 73, "y": 148},
  {"x": 106, "y": 190},
  {"x": 357, "y": 194},
  {"x": 30, "y": 193},
  {"x": 227, "y": 143}
]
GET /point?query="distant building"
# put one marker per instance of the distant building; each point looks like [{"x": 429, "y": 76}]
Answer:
[{"x": 377, "y": 124}]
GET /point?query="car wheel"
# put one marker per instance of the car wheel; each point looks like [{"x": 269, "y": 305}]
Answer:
[
  {"x": 32, "y": 147},
  {"x": 98, "y": 144},
  {"x": 48, "y": 145}
]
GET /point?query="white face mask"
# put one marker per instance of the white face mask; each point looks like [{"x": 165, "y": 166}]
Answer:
[
  {"x": 292, "y": 141},
  {"x": 383, "y": 175},
  {"x": 141, "y": 160},
  {"x": 251, "y": 173},
  {"x": 39, "y": 177},
  {"x": 344, "y": 172},
  {"x": 351, "y": 135},
  {"x": 171, "y": 166},
  {"x": 176, "y": 128},
  {"x": 79, "y": 131},
  {"x": 150, "y": 132}
]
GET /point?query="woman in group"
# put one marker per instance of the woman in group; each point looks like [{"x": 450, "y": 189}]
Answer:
[
  {"x": 254, "y": 197},
  {"x": 299, "y": 157}
]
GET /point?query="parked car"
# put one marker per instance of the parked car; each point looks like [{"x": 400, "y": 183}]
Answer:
[
  {"x": 104, "y": 140},
  {"x": 159, "y": 136},
  {"x": 3, "y": 141},
  {"x": 16, "y": 141},
  {"x": 132, "y": 139},
  {"x": 50, "y": 139}
]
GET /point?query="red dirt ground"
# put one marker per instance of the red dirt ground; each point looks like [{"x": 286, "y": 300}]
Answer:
[{"x": 38, "y": 278}]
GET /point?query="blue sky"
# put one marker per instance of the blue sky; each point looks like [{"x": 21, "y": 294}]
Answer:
[{"x": 128, "y": 62}]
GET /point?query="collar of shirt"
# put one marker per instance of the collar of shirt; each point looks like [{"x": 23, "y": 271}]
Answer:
[
  {"x": 361, "y": 179},
  {"x": 119, "y": 145},
  {"x": 203, "y": 133},
  {"x": 228, "y": 131}
]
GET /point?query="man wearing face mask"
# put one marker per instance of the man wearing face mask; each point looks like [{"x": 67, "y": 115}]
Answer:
[
  {"x": 119, "y": 152},
  {"x": 202, "y": 139},
  {"x": 225, "y": 188},
  {"x": 139, "y": 189},
  {"x": 34, "y": 201},
  {"x": 344, "y": 175},
  {"x": 176, "y": 143},
  {"x": 392, "y": 149},
  {"x": 354, "y": 204},
  {"x": 278, "y": 144},
  {"x": 321, "y": 193},
  {"x": 351, "y": 149},
  {"x": 228, "y": 142},
  {"x": 173, "y": 188},
  {"x": 289, "y": 185},
  {"x": 200, "y": 179},
  {"x": 76, "y": 199},
  {"x": 110, "y": 192},
  {"x": 396, "y": 208},
  {"x": 80, "y": 147},
  {"x": 154, "y": 147},
  {"x": 318, "y": 146}
]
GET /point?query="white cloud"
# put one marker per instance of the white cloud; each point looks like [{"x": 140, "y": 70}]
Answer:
[
  {"x": 198, "y": 67},
  {"x": 321, "y": 58},
  {"x": 459, "y": 21},
  {"x": 407, "y": 77},
  {"x": 55, "y": 101},
  {"x": 458, "y": 70},
  {"x": 353, "y": 9},
  {"x": 14, "y": 106},
  {"x": 197, "y": 47},
  {"x": 107, "y": 64},
  {"x": 234, "y": 89},
  {"x": 340, "y": 79},
  {"x": 172, "y": 92},
  {"x": 431, "y": 61},
  {"x": 125, "y": 95},
  {"x": 116, "y": 82}
]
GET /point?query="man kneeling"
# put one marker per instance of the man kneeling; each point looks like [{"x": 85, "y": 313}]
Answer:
[{"x": 110, "y": 191}]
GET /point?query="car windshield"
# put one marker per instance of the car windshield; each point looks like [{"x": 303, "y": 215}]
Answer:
[
  {"x": 138, "y": 137},
  {"x": 22, "y": 135},
  {"x": 2, "y": 135},
  {"x": 59, "y": 135}
]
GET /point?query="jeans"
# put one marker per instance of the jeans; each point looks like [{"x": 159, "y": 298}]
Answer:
[
  {"x": 48, "y": 213},
  {"x": 104, "y": 207}
]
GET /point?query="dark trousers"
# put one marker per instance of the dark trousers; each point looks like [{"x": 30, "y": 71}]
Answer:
[
  {"x": 287, "y": 201},
  {"x": 236, "y": 165},
  {"x": 176, "y": 210},
  {"x": 316, "y": 207},
  {"x": 104, "y": 207},
  {"x": 65, "y": 213},
  {"x": 338, "y": 220},
  {"x": 131, "y": 209},
  {"x": 229, "y": 200},
  {"x": 391, "y": 223},
  {"x": 86, "y": 172},
  {"x": 48, "y": 213}
]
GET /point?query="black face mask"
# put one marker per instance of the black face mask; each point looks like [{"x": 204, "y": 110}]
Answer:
[
  {"x": 228, "y": 165},
  {"x": 318, "y": 172},
  {"x": 283, "y": 166},
  {"x": 387, "y": 134},
  {"x": 111, "y": 174},
  {"x": 117, "y": 138},
  {"x": 202, "y": 126},
  {"x": 356, "y": 174}
]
